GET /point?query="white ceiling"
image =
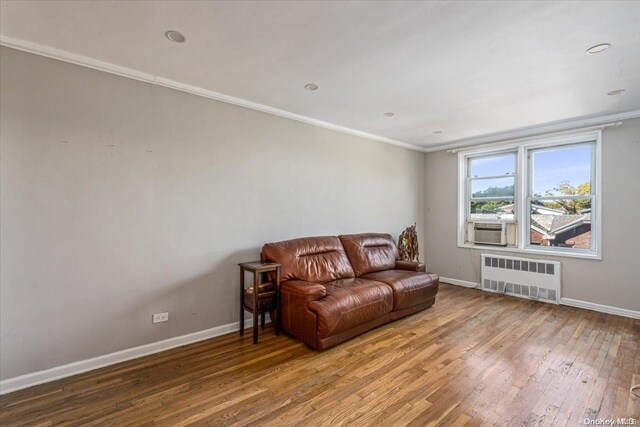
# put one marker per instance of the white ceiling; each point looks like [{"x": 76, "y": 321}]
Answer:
[{"x": 465, "y": 68}]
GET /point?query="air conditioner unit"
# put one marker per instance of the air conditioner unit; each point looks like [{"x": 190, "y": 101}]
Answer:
[{"x": 496, "y": 233}]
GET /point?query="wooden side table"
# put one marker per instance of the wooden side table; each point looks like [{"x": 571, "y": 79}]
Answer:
[{"x": 261, "y": 297}]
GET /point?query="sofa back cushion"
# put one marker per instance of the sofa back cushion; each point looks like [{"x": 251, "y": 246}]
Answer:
[
  {"x": 312, "y": 259},
  {"x": 370, "y": 252}
]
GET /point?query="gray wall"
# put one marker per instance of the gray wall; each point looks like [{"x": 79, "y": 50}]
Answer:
[
  {"x": 121, "y": 199},
  {"x": 613, "y": 281}
]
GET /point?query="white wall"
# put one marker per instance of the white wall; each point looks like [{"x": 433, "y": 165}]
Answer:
[
  {"x": 613, "y": 281},
  {"x": 120, "y": 199}
]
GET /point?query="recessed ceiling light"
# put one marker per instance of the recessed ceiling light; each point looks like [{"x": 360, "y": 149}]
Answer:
[
  {"x": 175, "y": 36},
  {"x": 388, "y": 114},
  {"x": 615, "y": 92},
  {"x": 437, "y": 132},
  {"x": 598, "y": 48},
  {"x": 311, "y": 86}
]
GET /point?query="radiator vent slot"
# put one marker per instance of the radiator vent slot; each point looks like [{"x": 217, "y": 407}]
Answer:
[{"x": 521, "y": 277}]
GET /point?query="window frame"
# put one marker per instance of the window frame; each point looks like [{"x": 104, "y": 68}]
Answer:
[
  {"x": 524, "y": 187},
  {"x": 469, "y": 180}
]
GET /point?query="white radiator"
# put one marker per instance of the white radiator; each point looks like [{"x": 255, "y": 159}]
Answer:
[{"x": 521, "y": 277}]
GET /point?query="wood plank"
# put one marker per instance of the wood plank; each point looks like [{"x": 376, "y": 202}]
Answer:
[{"x": 474, "y": 358}]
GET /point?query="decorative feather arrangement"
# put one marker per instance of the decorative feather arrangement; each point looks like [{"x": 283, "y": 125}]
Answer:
[{"x": 408, "y": 244}]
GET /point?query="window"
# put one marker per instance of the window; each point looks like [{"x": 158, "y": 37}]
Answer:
[
  {"x": 491, "y": 181},
  {"x": 560, "y": 196},
  {"x": 547, "y": 189}
]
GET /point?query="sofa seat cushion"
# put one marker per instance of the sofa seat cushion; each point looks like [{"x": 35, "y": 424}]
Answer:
[
  {"x": 349, "y": 303},
  {"x": 409, "y": 287}
]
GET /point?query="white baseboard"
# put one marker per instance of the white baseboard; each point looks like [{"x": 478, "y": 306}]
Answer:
[
  {"x": 58, "y": 372},
  {"x": 563, "y": 301},
  {"x": 40, "y": 377},
  {"x": 600, "y": 307},
  {"x": 457, "y": 282}
]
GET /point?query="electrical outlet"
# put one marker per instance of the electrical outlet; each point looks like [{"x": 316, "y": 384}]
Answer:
[{"x": 160, "y": 317}]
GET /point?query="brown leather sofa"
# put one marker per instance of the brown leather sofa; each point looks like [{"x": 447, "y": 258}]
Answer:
[{"x": 335, "y": 288}]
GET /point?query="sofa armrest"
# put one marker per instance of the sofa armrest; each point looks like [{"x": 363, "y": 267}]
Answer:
[
  {"x": 411, "y": 266},
  {"x": 306, "y": 290},
  {"x": 296, "y": 318}
]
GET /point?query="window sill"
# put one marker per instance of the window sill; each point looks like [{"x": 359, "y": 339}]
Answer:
[{"x": 548, "y": 252}]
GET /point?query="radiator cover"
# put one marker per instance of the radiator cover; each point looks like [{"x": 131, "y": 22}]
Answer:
[{"x": 521, "y": 277}]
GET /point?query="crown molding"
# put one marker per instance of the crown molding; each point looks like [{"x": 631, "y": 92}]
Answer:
[
  {"x": 533, "y": 131},
  {"x": 530, "y": 131},
  {"x": 107, "y": 67}
]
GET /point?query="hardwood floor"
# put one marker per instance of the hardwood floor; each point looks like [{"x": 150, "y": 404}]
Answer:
[{"x": 472, "y": 359}]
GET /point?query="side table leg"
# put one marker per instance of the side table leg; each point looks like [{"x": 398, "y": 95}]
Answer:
[
  {"x": 241, "y": 301},
  {"x": 256, "y": 281},
  {"x": 278, "y": 311},
  {"x": 262, "y": 320}
]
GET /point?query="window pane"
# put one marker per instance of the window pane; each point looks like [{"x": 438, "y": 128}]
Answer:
[
  {"x": 492, "y": 209},
  {"x": 500, "y": 164},
  {"x": 561, "y": 171},
  {"x": 562, "y": 222},
  {"x": 493, "y": 187}
]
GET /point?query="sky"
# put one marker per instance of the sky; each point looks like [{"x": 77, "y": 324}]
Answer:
[{"x": 571, "y": 163}]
